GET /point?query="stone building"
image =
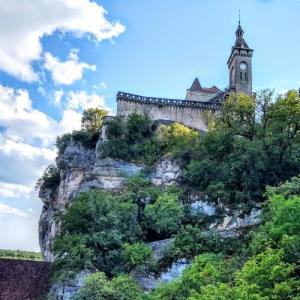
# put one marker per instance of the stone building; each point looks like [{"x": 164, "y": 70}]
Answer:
[{"x": 191, "y": 110}]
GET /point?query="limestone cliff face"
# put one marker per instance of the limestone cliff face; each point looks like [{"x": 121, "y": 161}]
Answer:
[{"x": 80, "y": 170}]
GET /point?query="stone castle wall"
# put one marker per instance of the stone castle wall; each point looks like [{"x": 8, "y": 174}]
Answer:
[{"x": 189, "y": 113}]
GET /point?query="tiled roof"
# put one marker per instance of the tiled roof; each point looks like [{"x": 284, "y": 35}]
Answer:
[
  {"x": 212, "y": 90},
  {"x": 23, "y": 280},
  {"x": 196, "y": 87}
]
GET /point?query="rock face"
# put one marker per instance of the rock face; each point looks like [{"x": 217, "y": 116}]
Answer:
[
  {"x": 80, "y": 171},
  {"x": 68, "y": 291}
]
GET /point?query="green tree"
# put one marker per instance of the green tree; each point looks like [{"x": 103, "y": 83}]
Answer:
[
  {"x": 165, "y": 215},
  {"x": 254, "y": 143},
  {"x": 98, "y": 287},
  {"x": 50, "y": 178},
  {"x": 92, "y": 119},
  {"x": 94, "y": 229},
  {"x": 137, "y": 257}
]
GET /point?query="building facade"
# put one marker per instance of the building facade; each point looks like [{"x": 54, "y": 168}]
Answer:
[{"x": 199, "y": 100}]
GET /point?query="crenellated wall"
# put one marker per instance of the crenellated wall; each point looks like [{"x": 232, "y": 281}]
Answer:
[{"x": 189, "y": 113}]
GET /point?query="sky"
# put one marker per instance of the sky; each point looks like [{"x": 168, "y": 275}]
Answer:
[{"x": 59, "y": 57}]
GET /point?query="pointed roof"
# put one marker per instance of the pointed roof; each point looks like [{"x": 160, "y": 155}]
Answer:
[
  {"x": 240, "y": 42},
  {"x": 196, "y": 86}
]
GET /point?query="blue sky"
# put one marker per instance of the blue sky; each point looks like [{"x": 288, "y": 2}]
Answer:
[{"x": 59, "y": 57}]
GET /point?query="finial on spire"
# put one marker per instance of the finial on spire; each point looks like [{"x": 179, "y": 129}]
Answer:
[{"x": 239, "y": 17}]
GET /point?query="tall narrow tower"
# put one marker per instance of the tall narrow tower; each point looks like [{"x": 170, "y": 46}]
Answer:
[{"x": 240, "y": 65}]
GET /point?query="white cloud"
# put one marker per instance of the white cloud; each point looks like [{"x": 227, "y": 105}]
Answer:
[
  {"x": 57, "y": 96},
  {"x": 25, "y": 124},
  {"x": 71, "y": 120},
  {"x": 8, "y": 210},
  {"x": 24, "y": 23},
  {"x": 66, "y": 72},
  {"x": 26, "y": 143},
  {"x": 10, "y": 190},
  {"x": 26, "y": 148},
  {"x": 22, "y": 163},
  {"x": 83, "y": 100}
]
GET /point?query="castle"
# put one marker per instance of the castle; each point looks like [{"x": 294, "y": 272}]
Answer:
[{"x": 198, "y": 100}]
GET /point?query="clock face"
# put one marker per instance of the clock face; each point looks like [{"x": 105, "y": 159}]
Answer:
[{"x": 243, "y": 66}]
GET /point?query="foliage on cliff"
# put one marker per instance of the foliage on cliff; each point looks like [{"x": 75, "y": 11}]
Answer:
[
  {"x": 104, "y": 231},
  {"x": 254, "y": 142},
  {"x": 270, "y": 272},
  {"x": 140, "y": 139},
  {"x": 91, "y": 122},
  {"x": 267, "y": 269}
]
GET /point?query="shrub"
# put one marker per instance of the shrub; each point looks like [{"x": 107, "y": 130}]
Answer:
[
  {"x": 50, "y": 178},
  {"x": 92, "y": 119},
  {"x": 206, "y": 270},
  {"x": 165, "y": 215},
  {"x": 98, "y": 287},
  {"x": 177, "y": 140},
  {"x": 94, "y": 229},
  {"x": 191, "y": 241},
  {"x": 253, "y": 143},
  {"x": 136, "y": 138},
  {"x": 137, "y": 257}
]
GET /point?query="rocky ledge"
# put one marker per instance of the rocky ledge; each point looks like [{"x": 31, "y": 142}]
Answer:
[{"x": 80, "y": 171}]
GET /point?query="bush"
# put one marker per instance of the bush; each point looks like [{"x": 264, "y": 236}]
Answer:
[
  {"x": 91, "y": 122},
  {"x": 191, "y": 241},
  {"x": 206, "y": 270},
  {"x": 254, "y": 143},
  {"x": 164, "y": 216},
  {"x": 85, "y": 138},
  {"x": 136, "y": 138},
  {"x": 137, "y": 257},
  {"x": 50, "y": 178},
  {"x": 98, "y": 287},
  {"x": 93, "y": 232},
  {"x": 271, "y": 271}
]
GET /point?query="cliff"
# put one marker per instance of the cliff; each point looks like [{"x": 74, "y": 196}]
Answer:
[{"x": 81, "y": 169}]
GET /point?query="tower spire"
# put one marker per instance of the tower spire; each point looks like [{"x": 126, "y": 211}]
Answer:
[{"x": 240, "y": 63}]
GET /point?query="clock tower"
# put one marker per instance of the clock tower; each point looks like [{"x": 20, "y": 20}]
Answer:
[{"x": 240, "y": 65}]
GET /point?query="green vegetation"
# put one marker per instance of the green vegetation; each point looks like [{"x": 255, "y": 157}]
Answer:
[
  {"x": 91, "y": 122},
  {"x": 270, "y": 272},
  {"x": 119, "y": 288},
  {"x": 20, "y": 254},
  {"x": 93, "y": 232},
  {"x": 50, "y": 178},
  {"x": 103, "y": 231},
  {"x": 251, "y": 148},
  {"x": 253, "y": 143},
  {"x": 165, "y": 215},
  {"x": 139, "y": 139},
  {"x": 92, "y": 119}
]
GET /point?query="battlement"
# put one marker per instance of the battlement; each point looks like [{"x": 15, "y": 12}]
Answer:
[
  {"x": 160, "y": 102},
  {"x": 187, "y": 112}
]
